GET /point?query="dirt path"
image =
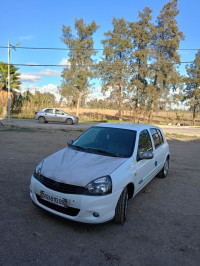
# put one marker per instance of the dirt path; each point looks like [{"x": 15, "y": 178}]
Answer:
[
  {"x": 31, "y": 123},
  {"x": 163, "y": 225}
]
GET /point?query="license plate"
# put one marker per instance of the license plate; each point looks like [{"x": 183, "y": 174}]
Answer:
[{"x": 55, "y": 200}]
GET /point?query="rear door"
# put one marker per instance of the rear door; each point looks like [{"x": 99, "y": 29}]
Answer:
[
  {"x": 144, "y": 168},
  {"x": 159, "y": 148}
]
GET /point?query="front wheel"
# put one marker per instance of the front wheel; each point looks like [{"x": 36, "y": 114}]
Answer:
[
  {"x": 121, "y": 208},
  {"x": 164, "y": 172}
]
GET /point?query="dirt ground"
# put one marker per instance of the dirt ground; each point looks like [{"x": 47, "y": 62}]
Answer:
[{"x": 163, "y": 226}]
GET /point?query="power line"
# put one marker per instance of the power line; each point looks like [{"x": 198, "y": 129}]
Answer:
[
  {"x": 50, "y": 48},
  {"x": 44, "y": 65},
  {"x": 63, "y": 49}
]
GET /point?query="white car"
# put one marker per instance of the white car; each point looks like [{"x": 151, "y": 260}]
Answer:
[{"x": 92, "y": 179}]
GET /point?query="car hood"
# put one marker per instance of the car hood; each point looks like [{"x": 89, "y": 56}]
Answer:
[{"x": 78, "y": 168}]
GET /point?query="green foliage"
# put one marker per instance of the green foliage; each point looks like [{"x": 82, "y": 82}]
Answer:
[
  {"x": 24, "y": 105},
  {"x": 77, "y": 76},
  {"x": 101, "y": 104},
  {"x": 113, "y": 68},
  {"x": 192, "y": 90},
  {"x": 14, "y": 77},
  {"x": 140, "y": 61},
  {"x": 164, "y": 76},
  {"x": 142, "y": 34}
]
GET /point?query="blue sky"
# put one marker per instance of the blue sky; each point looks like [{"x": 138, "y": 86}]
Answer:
[{"x": 38, "y": 23}]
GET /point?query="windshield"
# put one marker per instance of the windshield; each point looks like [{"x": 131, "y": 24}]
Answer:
[{"x": 107, "y": 141}]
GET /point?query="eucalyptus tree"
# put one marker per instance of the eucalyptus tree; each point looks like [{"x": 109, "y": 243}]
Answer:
[
  {"x": 113, "y": 68},
  {"x": 141, "y": 34},
  {"x": 164, "y": 76},
  {"x": 192, "y": 89},
  {"x": 79, "y": 72}
]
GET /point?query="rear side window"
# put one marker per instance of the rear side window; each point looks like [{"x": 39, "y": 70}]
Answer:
[
  {"x": 49, "y": 111},
  {"x": 157, "y": 136},
  {"x": 144, "y": 142}
]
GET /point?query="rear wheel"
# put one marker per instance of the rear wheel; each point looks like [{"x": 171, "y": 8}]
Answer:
[
  {"x": 69, "y": 121},
  {"x": 122, "y": 207},
  {"x": 164, "y": 172},
  {"x": 42, "y": 120}
]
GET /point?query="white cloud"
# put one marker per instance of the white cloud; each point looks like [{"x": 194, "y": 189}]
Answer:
[
  {"x": 30, "y": 77},
  {"x": 64, "y": 62},
  {"x": 52, "y": 88},
  {"x": 36, "y": 76},
  {"x": 49, "y": 72},
  {"x": 98, "y": 94},
  {"x": 27, "y": 37}
]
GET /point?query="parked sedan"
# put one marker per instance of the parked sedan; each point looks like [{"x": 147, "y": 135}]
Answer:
[
  {"x": 92, "y": 179},
  {"x": 55, "y": 115}
]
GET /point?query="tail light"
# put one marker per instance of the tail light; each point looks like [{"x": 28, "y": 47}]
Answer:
[{"x": 36, "y": 113}]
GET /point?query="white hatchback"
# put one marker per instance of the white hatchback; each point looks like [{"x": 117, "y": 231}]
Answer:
[{"x": 92, "y": 179}]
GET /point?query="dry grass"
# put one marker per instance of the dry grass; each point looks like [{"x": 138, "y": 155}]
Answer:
[{"x": 167, "y": 117}]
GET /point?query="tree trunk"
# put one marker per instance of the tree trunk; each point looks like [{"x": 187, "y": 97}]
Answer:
[
  {"x": 120, "y": 102},
  {"x": 151, "y": 112},
  {"x": 193, "y": 115},
  {"x": 78, "y": 104}
]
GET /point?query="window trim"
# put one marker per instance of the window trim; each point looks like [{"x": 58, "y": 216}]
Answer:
[{"x": 139, "y": 142}]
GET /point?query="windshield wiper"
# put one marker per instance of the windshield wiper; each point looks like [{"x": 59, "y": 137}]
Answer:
[
  {"x": 78, "y": 147},
  {"x": 103, "y": 152}
]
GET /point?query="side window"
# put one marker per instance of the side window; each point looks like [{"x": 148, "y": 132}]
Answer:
[
  {"x": 144, "y": 142},
  {"x": 157, "y": 136},
  {"x": 59, "y": 112},
  {"x": 49, "y": 111}
]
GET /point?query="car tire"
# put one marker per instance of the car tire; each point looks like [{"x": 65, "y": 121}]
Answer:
[
  {"x": 164, "y": 172},
  {"x": 121, "y": 208},
  {"x": 42, "y": 120},
  {"x": 69, "y": 121}
]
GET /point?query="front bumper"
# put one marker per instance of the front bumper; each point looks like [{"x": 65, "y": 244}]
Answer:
[{"x": 81, "y": 208}]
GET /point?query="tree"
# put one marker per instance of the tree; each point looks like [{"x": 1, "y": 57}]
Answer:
[
  {"x": 164, "y": 75},
  {"x": 141, "y": 33},
  {"x": 14, "y": 77},
  {"x": 113, "y": 69},
  {"x": 192, "y": 90},
  {"x": 77, "y": 76}
]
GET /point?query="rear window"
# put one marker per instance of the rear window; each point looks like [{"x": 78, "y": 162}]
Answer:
[{"x": 157, "y": 136}]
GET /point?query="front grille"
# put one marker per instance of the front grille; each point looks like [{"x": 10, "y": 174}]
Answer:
[
  {"x": 57, "y": 186},
  {"x": 69, "y": 211}
]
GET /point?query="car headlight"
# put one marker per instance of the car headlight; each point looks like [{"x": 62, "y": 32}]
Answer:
[
  {"x": 99, "y": 187},
  {"x": 38, "y": 169}
]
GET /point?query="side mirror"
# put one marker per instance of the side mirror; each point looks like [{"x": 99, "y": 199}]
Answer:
[
  {"x": 70, "y": 142},
  {"x": 146, "y": 155}
]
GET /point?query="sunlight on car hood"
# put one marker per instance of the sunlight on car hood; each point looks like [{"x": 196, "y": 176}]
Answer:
[{"x": 78, "y": 168}]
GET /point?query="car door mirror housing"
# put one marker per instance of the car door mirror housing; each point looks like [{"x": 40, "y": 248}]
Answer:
[
  {"x": 146, "y": 155},
  {"x": 70, "y": 142}
]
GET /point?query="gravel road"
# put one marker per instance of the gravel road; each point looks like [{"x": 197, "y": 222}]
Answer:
[
  {"x": 163, "y": 225},
  {"x": 31, "y": 123}
]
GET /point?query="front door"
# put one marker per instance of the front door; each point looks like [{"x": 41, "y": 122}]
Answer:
[{"x": 145, "y": 167}]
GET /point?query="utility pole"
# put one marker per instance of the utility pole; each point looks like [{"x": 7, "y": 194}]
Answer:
[
  {"x": 9, "y": 49},
  {"x": 8, "y": 81}
]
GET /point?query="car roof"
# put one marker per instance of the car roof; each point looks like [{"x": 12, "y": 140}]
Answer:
[{"x": 126, "y": 125}]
